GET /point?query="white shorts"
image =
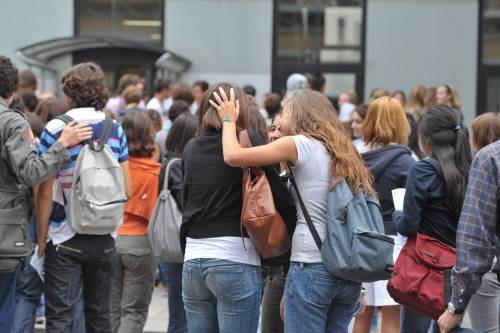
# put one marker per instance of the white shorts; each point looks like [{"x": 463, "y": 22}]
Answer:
[{"x": 376, "y": 292}]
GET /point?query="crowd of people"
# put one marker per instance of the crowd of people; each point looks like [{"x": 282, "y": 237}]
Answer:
[{"x": 188, "y": 138}]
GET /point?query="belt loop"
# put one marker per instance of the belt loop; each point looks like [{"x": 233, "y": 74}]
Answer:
[{"x": 301, "y": 265}]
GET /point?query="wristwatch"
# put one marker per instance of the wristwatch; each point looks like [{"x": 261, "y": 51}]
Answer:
[{"x": 451, "y": 309}]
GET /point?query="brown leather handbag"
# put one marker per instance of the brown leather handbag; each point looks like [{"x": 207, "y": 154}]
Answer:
[{"x": 259, "y": 215}]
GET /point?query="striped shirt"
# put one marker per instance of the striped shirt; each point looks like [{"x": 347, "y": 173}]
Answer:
[
  {"x": 59, "y": 228},
  {"x": 477, "y": 241}
]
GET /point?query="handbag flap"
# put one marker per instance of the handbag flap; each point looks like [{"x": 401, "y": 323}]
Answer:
[{"x": 434, "y": 253}]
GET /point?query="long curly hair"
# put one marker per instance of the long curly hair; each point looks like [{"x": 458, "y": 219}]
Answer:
[
  {"x": 86, "y": 86},
  {"x": 313, "y": 115}
]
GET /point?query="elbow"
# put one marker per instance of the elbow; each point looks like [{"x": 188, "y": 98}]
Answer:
[{"x": 232, "y": 160}]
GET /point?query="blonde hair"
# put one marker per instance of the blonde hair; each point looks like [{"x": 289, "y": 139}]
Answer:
[
  {"x": 455, "y": 98},
  {"x": 417, "y": 101},
  {"x": 313, "y": 115},
  {"x": 386, "y": 122}
]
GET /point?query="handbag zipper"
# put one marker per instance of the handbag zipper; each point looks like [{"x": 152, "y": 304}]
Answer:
[{"x": 379, "y": 237}]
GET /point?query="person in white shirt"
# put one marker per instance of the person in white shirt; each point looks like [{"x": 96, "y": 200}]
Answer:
[
  {"x": 198, "y": 89},
  {"x": 162, "y": 93}
]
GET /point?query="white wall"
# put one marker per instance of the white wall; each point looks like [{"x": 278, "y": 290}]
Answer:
[
  {"x": 24, "y": 22},
  {"x": 226, "y": 40},
  {"x": 425, "y": 42}
]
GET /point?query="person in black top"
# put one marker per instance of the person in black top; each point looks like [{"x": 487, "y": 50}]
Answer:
[
  {"x": 221, "y": 273},
  {"x": 435, "y": 189},
  {"x": 183, "y": 129}
]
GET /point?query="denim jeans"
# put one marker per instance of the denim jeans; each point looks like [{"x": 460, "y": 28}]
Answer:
[
  {"x": 29, "y": 290},
  {"x": 274, "y": 286},
  {"x": 316, "y": 301},
  {"x": 177, "y": 321},
  {"x": 221, "y": 296},
  {"x": 83, "y": 262},
  {"x": 412, "y": 322},
  {"x": 7, "y": 300}
]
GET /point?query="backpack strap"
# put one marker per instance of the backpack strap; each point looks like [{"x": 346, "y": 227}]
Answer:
[
  {"x": 310, "y": 224},
  {"x": 105, "y": 134},
  {"x": 65, "y": 118},
  {"x": 167, "y": 173}
]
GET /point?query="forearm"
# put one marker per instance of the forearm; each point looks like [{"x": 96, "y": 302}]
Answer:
[
  {"x": 44, "y": 209},
  {"x": 406, "y": 227},
  {"x": 230, "y": 143}
]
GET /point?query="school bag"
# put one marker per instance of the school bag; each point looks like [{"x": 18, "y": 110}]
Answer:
[
  {"x": 165, "y": 224},
  {"x": 355, "y": 246},
  {"x": 97, "y": 197}
]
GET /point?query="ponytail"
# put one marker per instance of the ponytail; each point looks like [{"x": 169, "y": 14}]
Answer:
[{"x": 442, "y": 130}]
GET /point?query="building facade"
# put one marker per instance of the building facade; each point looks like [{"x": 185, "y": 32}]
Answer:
[{"x": 358, "y": 45}]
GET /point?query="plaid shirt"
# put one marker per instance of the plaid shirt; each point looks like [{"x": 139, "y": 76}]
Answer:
[{"x": 477, "y": 242}]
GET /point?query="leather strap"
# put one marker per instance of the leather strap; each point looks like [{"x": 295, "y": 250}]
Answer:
[
  {"x": 310, "y": 224},
  {"x": 167, "y": 173}
]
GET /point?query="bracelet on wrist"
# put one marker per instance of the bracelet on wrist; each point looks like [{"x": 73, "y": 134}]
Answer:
[{"x": 227, "y": 119}]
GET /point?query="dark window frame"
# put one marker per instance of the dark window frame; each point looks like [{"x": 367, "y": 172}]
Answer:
[
  {"x": 162, "y": 30},
  {"x": 356, "y": 68}
]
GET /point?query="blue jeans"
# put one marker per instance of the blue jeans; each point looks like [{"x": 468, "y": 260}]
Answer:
[
  {"x": 316, "y": 301},
  {"x": 7, "y": 300},
  {"x": 29, "y": 290},
  {"x": 177, "y": 321},
  {"x": 412, "y": 322},
  {"x": 82, "y": 263},
  {"x": 221, "y": 296}
]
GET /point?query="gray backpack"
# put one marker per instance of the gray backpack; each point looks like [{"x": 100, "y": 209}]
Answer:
[
  {"x": 97, "y": 197},
  {"x": 165, "y": 224},
  {"x": 355, "y": 246}
]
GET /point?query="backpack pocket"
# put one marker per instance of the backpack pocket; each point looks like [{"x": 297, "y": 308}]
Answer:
[{"x": 372, "y": 255}]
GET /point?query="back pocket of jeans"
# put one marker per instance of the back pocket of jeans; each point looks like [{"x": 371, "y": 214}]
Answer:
[
  {"x": 320, "y": 288},
  {"x": 225, "y": 283}
]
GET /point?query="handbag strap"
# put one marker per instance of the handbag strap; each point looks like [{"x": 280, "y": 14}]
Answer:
[
  {"x": 167, "y": 173},
  {"x": 307, "y": 217}
]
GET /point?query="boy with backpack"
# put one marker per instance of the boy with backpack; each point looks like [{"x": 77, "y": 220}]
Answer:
[{"x": 82, "y": 206}]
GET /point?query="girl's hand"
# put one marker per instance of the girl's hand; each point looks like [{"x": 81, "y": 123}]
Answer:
[{"x": 228, "y": 110}]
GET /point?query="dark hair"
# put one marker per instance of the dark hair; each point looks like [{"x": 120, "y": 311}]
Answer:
[
  {"x": 400, "y": 92},
  {"x": 86, "y": 86},
  {"x": 161, "y": 84},
  {"x": 183, "y": 92},
  {"x": 9, "y": 77},
  {"x": 126, "y": 81},
  {"x": 361, "y": 110},
  {"x": 140, "y": 134},
  {"x": 29, "y": 98},
  {"x": 155, "y": 119},
  {"x": 183, "y": 129},
  {"x": 18, "y": 104},
  {"x": 27, "y": 80},
  {"x": 250, "y": 90},
  {"x": 49, "y": 108},
  {"x": 208, "y": 117},
  {"x": 256, "y": 121},
  {"x": 272, "y": 104},
  {"x": 177, "y": 109},
  {"x": 441, "y": 129},
  {"x": 202, "y": 84},
  {"x": 36, "y": 124},
  {"x": 316, "y": 81}
]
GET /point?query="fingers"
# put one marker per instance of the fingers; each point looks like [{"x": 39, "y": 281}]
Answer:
[
  {"x": 231, "y": 95},
  {"x": 223, "y": 94},
  {"x": 238, "y": 106},
  {"x": 217, "y": 98},
  {"x": 215, "y": 105}
]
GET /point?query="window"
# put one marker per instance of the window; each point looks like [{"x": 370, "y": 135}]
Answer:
[
  {"x": 141, "y": 20},
  {"x": 320, "y": 36}
]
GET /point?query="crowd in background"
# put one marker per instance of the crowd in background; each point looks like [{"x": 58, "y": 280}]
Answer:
[{"x": 221, "y": 285}]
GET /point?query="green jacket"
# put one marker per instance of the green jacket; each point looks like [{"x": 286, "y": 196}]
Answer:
[{"x": 21, "y": 167}]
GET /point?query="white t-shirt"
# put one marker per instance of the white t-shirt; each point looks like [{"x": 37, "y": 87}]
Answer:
[
  {"x": 225, "y": 248},
  {"x": 313, "y": 180},
  {"x": 155, "y": 104}
]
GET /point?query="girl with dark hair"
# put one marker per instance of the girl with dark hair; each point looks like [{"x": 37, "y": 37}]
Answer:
[
  {"x": 221, "y": 277},
  {"x": 435, "y": 189},
  {"x": 183, "y": 129},
  {"x": 135, "y": 264}
]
